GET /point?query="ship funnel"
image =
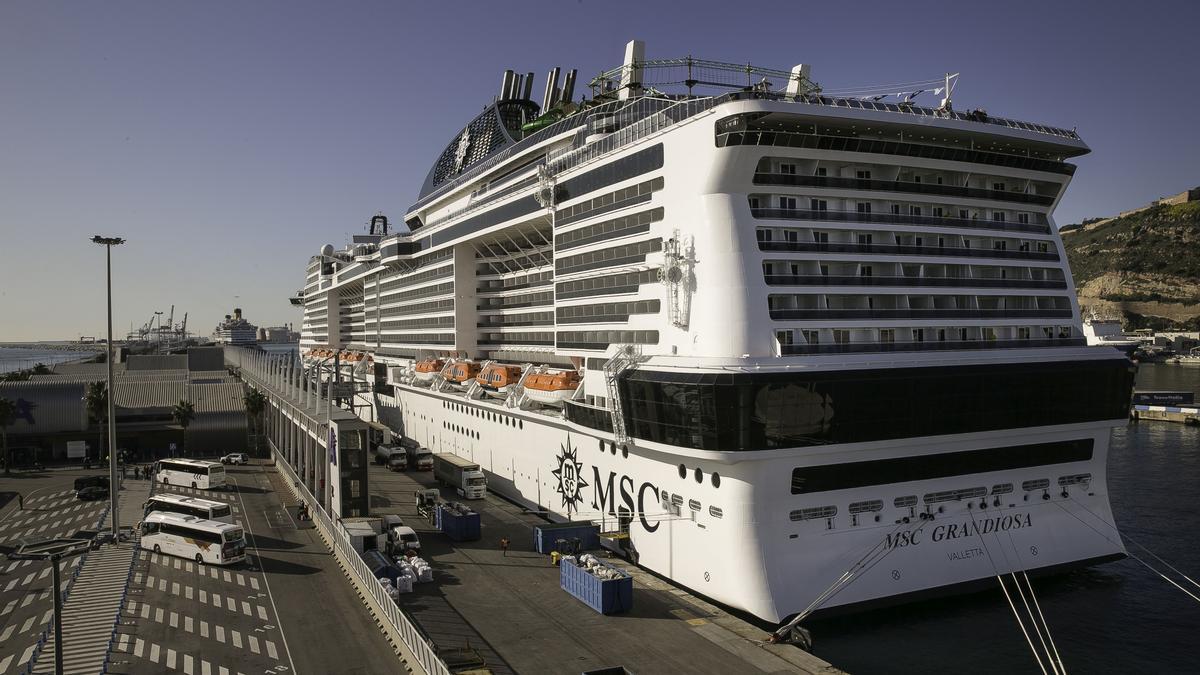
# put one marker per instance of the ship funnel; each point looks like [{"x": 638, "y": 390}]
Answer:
[
  {"x": 800, "y": 73},
  {"x": 568, "y": 88},
  {"x": 548, "y": 99},
  {"x": 528, "y": 92},
  {"x": 631, "y": 69},
  {"x": 506, "y": 85}
]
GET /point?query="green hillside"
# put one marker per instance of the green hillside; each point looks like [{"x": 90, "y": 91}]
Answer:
[{"x": 1162, "y": 240}]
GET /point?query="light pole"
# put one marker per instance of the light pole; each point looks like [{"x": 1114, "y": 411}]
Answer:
[{"x": 114, "y": 486}]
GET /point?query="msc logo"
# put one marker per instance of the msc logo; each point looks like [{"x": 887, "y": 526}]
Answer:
[{"x": 570, "y": 477}]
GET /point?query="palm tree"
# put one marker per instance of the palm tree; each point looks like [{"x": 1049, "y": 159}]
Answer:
[
  {"x": 95, "y": 399},
  {"x": 8, "y": 415},
  {"x": 256, "y": 403},
  {"x": 183, "y": 413}
]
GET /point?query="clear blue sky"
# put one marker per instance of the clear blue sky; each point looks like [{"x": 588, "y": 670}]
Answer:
[{"x": 229, "y": 140}]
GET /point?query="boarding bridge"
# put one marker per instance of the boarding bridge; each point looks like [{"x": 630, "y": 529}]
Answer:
[{"x": 315, "y": 437}]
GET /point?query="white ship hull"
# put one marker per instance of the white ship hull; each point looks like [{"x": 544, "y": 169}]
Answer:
[{"x": 753, "y": 557}]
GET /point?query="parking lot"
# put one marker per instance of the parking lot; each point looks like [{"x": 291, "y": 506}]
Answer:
[{"x": 50, "y": 510}]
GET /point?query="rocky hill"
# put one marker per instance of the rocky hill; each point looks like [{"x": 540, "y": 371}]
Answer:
[{"x": 1144, "y": 265}]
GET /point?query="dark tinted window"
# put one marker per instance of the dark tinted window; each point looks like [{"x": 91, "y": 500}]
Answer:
[
  {"x": 744, "y": 411},
  {"x": 925, "y": 467}
]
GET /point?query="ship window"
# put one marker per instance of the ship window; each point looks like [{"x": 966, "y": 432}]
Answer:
[
  {"x": 864, "y": 207},
  {"x": 699, "y": 475},
  {"x": 813, "y": 513},
  {"x": 862, "y": 175},
  {"x": 787, "y": 203},
  {"x": 905, "y": 502},
  {"x": 715, "y": 512},
  {"x": 1075, "y": 479},
  {"x": 676, "y": 500},
  {"x": 1002, "y": 489},
  {"x": 821, "y": 171},
  {"x": 716, "y": 479},
  {"x": 1023, "y": 218},
  {"x": 849, "y": 475},
  {"x": 787, "y": 168},
  {"x": 955, "y": 495},
  {"x": 867, "y": 506},
  {"x": 818, "y": 205},
  {"x": 693, "y": 505},
  {"x": 1032, "y": 485},
  {"x": 895, "y": 209},
  {"x": 682, "y": 471}
]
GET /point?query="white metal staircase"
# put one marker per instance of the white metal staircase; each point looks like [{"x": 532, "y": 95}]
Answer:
[{"x": 626, "y": 357}]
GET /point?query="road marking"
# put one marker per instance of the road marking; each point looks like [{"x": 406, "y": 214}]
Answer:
[
  {"x": 162, "y": 585},
  {"x": 174, "y": 619},
  {"x": 187, "y": 624},
  {"x": 4, "y": 636},
  {"x": 158, "y": 614},
  {"x": 216, "y": 599},
  {"x": 227, "y": 577},
  {"x": 28, "y": 599},
  {"x": 262, "y": 614},
  {"x": 205, "y": 667},
  {"x": 203, "y": 629},
  {"x": 221, "y": 634},
  {"x": 253, "y": 644},
  {"x": 187, "y": 664},
  {"x": 203, "y": 597},
  {"x": 28, "y": 653},
  {"x": 154, "y": 652},
  {"x": 9, "y": 607},
  {"x": 187, "y": 566},
  {"x": 188, "y": 592},
  {"x": 271, "y": 596},
  {"x": 28, "y": 623},
  {"x": 150, "y": 581},
  {"x": 44, "y": 573},
  {"x": 254, "y": 583},
  {"x": 178, "y": 563},
  {"x": 145, "y": 611},
  {"x": 237, "y": 638},
  {"x": 223, "y": 671},
  {"x": 241, "y": 581},
  {"x": 28, "y": 578},
  {"x": 174, "y": 588},
  {"x": 271, "y": 650},
  {"x": 123, "y": 644},
  {"x": 170, "y": 658},
  {"x": 45, "y": 617},
  {"x": 246, "y": 608},
  {"x": 4, "y": 663},
  {"x": 138, "y": 646},
  {"x": 231, "y": 603},
  {"x": 10, "y": 585}
]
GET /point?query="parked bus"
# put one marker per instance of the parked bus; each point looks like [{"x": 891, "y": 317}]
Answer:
[
  {"x": 191, "y": 472},
  {"x": 188, "y": 506},
  {"x": 205, "y": 541}
]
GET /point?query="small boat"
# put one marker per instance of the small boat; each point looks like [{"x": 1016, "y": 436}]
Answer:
[
  {"x": 461, "y": 373},
  {"x": 496, "y": 378},
  {"x": 427, "y": 369},
  {"x": 552, "y": 387}
]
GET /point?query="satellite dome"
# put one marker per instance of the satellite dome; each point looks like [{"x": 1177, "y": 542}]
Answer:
[{"x": 327, "y": 250}]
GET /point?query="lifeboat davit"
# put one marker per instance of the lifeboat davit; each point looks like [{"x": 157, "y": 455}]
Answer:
[
  {"x": 427, "y": 369},
  {"x": 552, "y": 387},
  {"x": 496, "y": 378},
  {"x": 461, "y": 373}
]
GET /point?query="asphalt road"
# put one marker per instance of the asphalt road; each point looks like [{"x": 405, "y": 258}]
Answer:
[
  {"x": 50, "y": 510},
  {"x": 288, "y": 609}
]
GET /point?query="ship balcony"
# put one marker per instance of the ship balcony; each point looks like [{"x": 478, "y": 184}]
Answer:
[
  {"x": 902, "y": 282},
  {"x": 927, "y": 346},
  {"x": 893, "y": 249},
  {"x": 910, "y": 187},
  {"x": 788, "y": 314},
  {"x": 896, "y": 219}
]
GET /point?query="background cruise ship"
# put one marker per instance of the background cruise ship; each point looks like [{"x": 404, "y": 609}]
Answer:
[{"x": 808, "y": 351}]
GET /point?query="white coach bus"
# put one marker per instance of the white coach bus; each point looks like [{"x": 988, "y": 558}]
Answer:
[
  {"x": 205, "y": 541},
  {"x": 191, "y": 473},
  {"x": 188, "y": 506}
]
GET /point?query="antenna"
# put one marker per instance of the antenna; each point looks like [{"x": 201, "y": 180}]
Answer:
[{"x": 951, "y": 80}]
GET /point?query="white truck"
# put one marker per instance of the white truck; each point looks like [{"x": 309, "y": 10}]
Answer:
[
  {"x": 366, "y": 533},
  {"x": 419, "y": 457},
  {"x": 465, "y": 475},
  {"x": 393, "y": 457},
  {"x": 400, "y": 537}
]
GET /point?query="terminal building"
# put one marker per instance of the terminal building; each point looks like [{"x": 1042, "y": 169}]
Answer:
[{"x": 52, "y": 412}]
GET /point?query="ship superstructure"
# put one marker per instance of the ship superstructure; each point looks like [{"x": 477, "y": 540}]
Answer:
[
  {"x": 235, "y": 330},
  {"x": 767, "y": 334}
]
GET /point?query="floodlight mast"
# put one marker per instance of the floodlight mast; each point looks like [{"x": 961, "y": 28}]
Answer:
[{"x": 113, "y": 483}]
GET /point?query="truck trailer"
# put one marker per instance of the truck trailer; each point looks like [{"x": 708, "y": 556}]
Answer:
[
  {"x": 393, "y": 457},
  {"x": 465, "y": 475}
]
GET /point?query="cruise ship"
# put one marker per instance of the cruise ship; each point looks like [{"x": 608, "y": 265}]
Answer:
[
  {"x": 235, "y": 331},
  {"x": 794, "y": 349}
]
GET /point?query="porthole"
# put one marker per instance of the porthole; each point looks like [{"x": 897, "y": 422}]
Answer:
[
  {"x": 699, "y": 475},
  {"x": 682, "y": 471},
  {"x": 612, "y": 448},
  {"x": 625, "y": 451},
  {"x": 716, "y": 479},
  {"x": 601, "y": 442},
  {"x": 521, "y": 424}
]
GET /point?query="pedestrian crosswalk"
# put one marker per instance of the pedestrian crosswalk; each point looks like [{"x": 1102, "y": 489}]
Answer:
[
  {"x": 167, "y": 657},
  {"x": 90, "y": 612}
]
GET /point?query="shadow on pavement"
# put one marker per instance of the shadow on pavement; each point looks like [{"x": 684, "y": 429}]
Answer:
[{"x": 277, "y": 566}]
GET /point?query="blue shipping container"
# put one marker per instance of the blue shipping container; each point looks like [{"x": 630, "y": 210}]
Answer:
[
  {"x": 544, "y": 536},
  {"x": 380, "y": 566},
  {"x": 607, "y": 596},
  {"x": 460, "y": 526}
]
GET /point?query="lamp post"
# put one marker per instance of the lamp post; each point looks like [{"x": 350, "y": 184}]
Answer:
[
  {"x": 114, "y": 486},
  {"x": 53, "y": 550}
]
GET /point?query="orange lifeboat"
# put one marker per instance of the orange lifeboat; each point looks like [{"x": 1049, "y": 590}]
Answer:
[
  {"x": 427, "y": 369},
  {"x": 496, "y": 378},
  {"x": 552, "y": 387},
  {"x": 461, "y": 372}
]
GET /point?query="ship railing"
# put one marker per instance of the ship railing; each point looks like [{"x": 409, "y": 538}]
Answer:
[{"x": 936, "y": 346}]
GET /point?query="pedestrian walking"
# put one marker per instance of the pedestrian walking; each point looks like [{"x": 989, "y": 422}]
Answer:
[
  {"x": 20, "y": 502},
  {"x": 504, "y": 545}
]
